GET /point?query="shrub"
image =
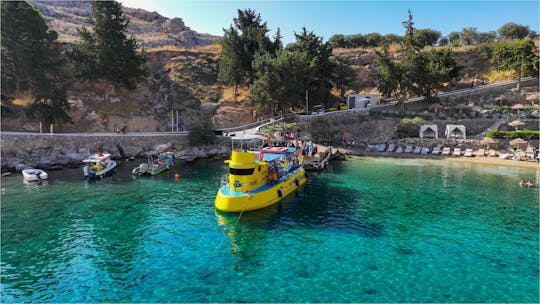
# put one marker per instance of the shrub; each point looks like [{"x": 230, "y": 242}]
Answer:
[
  {"x": 201, "y": 134},
  {"x": 525, "y": 134},
  {"x": 409, "y": 127}
]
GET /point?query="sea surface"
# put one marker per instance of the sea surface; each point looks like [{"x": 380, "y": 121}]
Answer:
[{"x": 365, "y": 230}]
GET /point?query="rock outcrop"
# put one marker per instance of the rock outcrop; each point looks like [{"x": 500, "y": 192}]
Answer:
[
  {"x": 53, "y": 151},
  {"x": 150, "y": 28}
]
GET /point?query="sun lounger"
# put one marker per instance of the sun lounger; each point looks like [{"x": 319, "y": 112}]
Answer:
[
  {"x": 436, "y": 151},
  {"x": 408, "y": 149},
  {"x": 445, "y": 151},
  {"x": 468, "y": 153},
  {"x": 493, "y": 153},
  {"x": 390, "y": 148},
  {"x": 417, "y": 150},
  {"x": 480, "y": 152},
  {"x": 369, "y": 148},
  {"x": 399, "y": 150},
  {"x": 506, "y": 155},
  {"x": 381, "y": 148},
  {"x": 425, "y": 150},
  {"x": 457, "y": 152}
]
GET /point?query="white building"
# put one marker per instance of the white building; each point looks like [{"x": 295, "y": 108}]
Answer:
[{"x": 362, "y": 101}]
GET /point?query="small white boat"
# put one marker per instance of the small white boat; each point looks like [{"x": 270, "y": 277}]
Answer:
[
  {"x": 98, "y": 166},
  {"x": 34, "y": 175}
]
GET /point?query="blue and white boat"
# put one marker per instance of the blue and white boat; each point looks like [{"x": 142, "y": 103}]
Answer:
[
  {"x": 156, "y": 164},
  {"x": 98, "y": 166}
]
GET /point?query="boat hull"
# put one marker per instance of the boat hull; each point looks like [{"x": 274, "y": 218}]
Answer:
[
  {"x": 34, "y": 175},
  {"x": 233, "y": 201},
  {"x": 91, "y": 175}
]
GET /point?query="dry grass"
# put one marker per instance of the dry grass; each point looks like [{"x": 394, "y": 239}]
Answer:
[
  {"x": 228, "y": 94},
  {"x": 496, "y": 76},
  {"x": 211, "y": 48},
  {"x": 394, "y": 47},
  {"x": 166, "y": 48}
]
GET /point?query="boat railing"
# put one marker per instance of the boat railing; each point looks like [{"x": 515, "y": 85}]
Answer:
[{"x": 224, "y": 180}]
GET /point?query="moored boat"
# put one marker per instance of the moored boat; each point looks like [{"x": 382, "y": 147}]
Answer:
[
  {"x": 98, "y": 166},
  {"x": 156, "y": 164},
  {"x": 34, "y": 175},
  {"x": 259, "y": 179}
]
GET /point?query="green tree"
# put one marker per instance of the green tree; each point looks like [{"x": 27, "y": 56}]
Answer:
[
  {"x": 30, "y": 60},
  {"x": 426, "y": 37},
  {"x": 337, "y": 41},
  {"x": 318, "y": 58},
  {"x": 106, "y": 52},
  {"x": 486, "y": 37},
  {"x": 50, "y": 106},
  {"x": 454, "y": 38},
  {"x": 231, "y": 70},
  {"x": 27, "y": 48},
  {"x": 519, "y": 56},
  {"x": 373, "y": 39},
  {"x": 278, "y": 44},
  {"x": 469, "y": 36},
  {"x": 441, "y": 68},
  {"x": 342, "y": 74},
  {"x": 280, "y": 80},
  {"x": 356, "y": 41},
  {"x": 512, "y": 30},
  {"x": 417, "y": 73},
  {"x": 391, "y": 38}
]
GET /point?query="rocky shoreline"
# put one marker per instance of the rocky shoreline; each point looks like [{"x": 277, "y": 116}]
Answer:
[{"x": 51, "y": 152}]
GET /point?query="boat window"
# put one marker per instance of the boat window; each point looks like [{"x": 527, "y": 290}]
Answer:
[
  {"x": 234, "y": 171},
  {"x": 259, "y": 168}
]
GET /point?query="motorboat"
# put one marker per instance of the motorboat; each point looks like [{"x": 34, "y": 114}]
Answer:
[
  {"x": 258, "y": 179},
  {"x": 98, "y": 166},
  {"x": 156, "y": 164},
  {"x": 34, "y": 175}
]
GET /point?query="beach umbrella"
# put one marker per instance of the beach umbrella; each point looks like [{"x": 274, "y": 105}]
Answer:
[
  {"x": 489, "y": 142},
  {"x": 520, "y": 143},
  {"x": 518, "y": 107},
  {"x": 516, "y": 124}
]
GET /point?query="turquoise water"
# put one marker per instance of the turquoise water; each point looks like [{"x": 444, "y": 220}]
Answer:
[{"x": 367, "y": 230}]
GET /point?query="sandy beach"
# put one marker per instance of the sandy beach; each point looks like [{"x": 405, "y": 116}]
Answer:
[{"x": 491, "y": 161}]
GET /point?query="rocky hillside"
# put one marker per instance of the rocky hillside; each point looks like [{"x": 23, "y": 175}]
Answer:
[
  {"x": 150, "y": 28},
  {"x": 473, "y": 65}
]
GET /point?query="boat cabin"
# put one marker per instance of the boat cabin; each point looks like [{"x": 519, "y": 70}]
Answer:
[
  {"x": 251, "y": 170},
  {"x": 97, "y": 162}
]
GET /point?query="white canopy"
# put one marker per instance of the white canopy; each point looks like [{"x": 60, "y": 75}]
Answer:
[
  {"x": 428, "y": 128},
  {"x": 246, "y": 137},
  {"x": 455, "y": 131}
]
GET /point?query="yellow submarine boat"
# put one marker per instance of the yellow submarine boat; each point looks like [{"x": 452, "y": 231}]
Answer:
[{"x": 260, "y": 179}]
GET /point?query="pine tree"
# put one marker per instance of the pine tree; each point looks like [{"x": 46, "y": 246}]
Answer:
[
  {"x": 107, "y": 52},
  {"x": 28, "y": 62},
  {"x": 26, "y": 47}
]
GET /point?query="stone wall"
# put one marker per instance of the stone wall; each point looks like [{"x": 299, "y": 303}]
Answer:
[{"x": 46, "y": 151}]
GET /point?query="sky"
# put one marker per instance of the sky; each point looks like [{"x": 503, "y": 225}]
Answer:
[{"x": 326, "y": 18}]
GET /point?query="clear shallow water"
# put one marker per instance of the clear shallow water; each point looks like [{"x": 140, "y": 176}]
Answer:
[{"x": 368, "y": 230}]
